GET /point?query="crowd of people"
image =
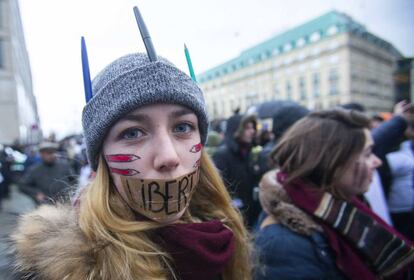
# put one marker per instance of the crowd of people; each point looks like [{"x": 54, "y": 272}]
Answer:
[
  {"x": 318, "y": 195},
  {"x": 48, "y": 172}
]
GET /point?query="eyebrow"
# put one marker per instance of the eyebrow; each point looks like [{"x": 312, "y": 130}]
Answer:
[
  {"x": 142, "y": 117},
  {"x": 181, "y": 112},
  {"x": 135, "y": 117}
]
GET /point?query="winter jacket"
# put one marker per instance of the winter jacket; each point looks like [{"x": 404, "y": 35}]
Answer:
[
  {"x": 54, "y": 181},
  {"x": 401, "y": 197},
  {"x": 387, "y": 137},
  {"x": 238, "y": 172},
  {"x": 49, "y": 245},
  {"x": 292, "y": 246}
]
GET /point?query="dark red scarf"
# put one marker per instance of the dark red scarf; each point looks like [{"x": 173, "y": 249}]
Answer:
[
  {"x": 199, "y": 250},
  {"x": 365, "y": 246}
]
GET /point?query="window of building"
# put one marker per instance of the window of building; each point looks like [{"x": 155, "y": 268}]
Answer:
[
  {"x": 302, "y": 88},
  {"x": 300, "y": 42},
  {"x": 333, "y": 81},
  {"x": 275, "y": 51},
  {"x": 333, "y": 74},
  {"x": 315, "y": 36},
  {"x": 316, "y": 85},
  {"x": 288, "y": 90},
  {"x": 215, "y": 109},
  {"x": 287, "y": 47},
  {"x": 332, "y": 30},
  {"x": 276, "y": 92}
]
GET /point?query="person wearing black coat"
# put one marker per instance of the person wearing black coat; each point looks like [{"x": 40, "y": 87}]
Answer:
[{"x": 234, "y": 160}]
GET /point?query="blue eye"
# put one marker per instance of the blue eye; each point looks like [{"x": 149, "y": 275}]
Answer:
[
  {"x": 132, "y": 133},
  {"x": 183, "y": 128}
]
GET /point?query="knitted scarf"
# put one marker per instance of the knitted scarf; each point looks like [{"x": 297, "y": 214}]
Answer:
[
  {"x": 365, "y": 246},
  {"x": 199, "y": 250}
]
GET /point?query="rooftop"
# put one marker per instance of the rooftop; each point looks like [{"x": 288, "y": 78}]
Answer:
[{"x": 327, "y": 25}]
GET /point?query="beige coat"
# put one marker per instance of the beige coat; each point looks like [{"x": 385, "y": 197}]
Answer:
[{"x": 49, "y": 244}]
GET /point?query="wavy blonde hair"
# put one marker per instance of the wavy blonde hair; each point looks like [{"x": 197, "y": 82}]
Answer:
[{"x": 126, "y": 248}]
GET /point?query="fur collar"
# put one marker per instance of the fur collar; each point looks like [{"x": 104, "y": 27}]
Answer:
[
  {"x": 48, "y": 244},
  {"x": 276, "y": 202}
]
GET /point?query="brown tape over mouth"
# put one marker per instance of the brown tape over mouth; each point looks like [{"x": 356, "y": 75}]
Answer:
[{"x": 160, "y": 199}]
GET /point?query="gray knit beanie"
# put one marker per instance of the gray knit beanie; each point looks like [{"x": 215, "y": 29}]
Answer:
[{"x": 130, "y": 82}]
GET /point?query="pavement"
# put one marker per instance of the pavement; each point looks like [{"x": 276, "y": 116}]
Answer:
[{"x": 11, "y": 208}]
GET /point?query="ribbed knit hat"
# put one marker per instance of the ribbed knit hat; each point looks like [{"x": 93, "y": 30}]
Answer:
[{"x": 130, "y": 82}]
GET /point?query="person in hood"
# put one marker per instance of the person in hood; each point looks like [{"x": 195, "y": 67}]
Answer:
[
  {"x": 282, "y": 120},
  {"x": 315, "y": 227},
  {"x": 156, "y": 208},
  {"x": 234, "y": 160}
]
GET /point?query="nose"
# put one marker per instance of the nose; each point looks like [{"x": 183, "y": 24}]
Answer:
[
  {"x": 376, "y": 162},
  {"x": 166, "y": 158}
]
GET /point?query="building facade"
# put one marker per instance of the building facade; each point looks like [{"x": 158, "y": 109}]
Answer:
[
  {"x": 328, "y": 61},
  {"x": 19, "y": 120},
  {"x": 404, "y": 80}
]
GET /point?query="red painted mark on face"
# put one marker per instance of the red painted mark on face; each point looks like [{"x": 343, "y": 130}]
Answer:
[
  {"x": 124, "y": 172},
  {"x": 196, "y": 164},
  {"x": 121, "y": 158},
  {"x": 196, "y": 148}
]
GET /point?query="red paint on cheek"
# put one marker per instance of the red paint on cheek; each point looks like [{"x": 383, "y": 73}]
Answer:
[
  {"x": 196, "y": 148},
  {"x": 124, "y": 172},
  {"x": 121, "y": 158}
]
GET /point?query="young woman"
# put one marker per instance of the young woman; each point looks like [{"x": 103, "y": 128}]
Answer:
[
  {"x": 314, "y": 226},
  {"x": 157, "y": 208}
]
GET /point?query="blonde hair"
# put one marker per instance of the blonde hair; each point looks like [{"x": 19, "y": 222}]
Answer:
[{"x": 125, "y": 247}]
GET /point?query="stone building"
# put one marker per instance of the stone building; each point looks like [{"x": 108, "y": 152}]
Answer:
[
  {"x": 19, "y": 120},
  {"x": 327, "y": 61}
]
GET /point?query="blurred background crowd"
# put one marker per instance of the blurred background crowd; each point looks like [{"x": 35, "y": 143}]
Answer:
[{"x": 54, "y": 171}]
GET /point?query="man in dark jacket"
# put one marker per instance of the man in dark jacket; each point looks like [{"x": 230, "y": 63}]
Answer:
[
  {"x": 48, "y": 180},
  {"x": 5, "y": 174},
  {"x": 233, "y": 159}
]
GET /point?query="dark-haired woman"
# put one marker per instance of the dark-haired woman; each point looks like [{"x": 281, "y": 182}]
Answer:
[{"x": 315, "y": 227}]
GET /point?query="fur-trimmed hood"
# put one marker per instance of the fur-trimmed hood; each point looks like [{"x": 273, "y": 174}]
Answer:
[
  {"x": 276, "y": 202},
  {"x": 48, "y": 244}
]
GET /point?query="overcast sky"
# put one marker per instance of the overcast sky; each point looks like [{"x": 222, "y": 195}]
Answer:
[{"x": 214, "y": 31}]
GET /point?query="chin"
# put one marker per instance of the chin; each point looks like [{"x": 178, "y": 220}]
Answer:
[{"x": 365, "y": 187}]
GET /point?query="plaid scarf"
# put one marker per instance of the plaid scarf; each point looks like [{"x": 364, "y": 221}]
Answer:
[{"x": 365, "y": 246}]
